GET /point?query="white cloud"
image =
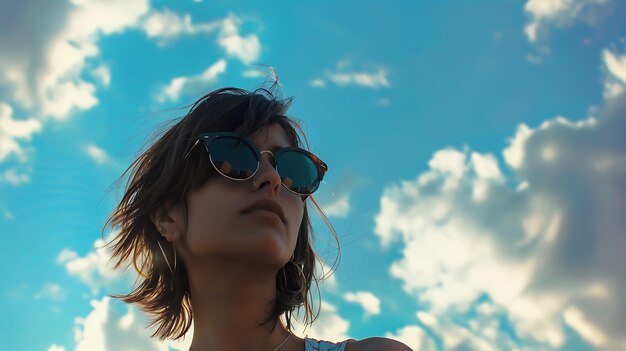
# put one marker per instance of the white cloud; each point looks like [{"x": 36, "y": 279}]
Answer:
[
  {"x": 191, "y": 85},
  {"x": 12, "y": 131},
  {"x": 486, "y": 167},
  {"x": 121, "y": 15},
  {"x": 247, "y": 49},
  {"x": 12, "y": 177},
  {"x": 93, "y": 269},
  {"x": 367, "y": 300},
  {"x": 66, "y": 255},
  {"x": 535, "y": 251},
  {"x": 479, "y": 331},
  {"x": 344, "y": 76},
  {"x": 55, "y": 347},
  {"x": 44, "y": 68},
  {"x": 615, "y": 64},
  {"x": 557, "y": 13},
  {"x": 576, "y": 319},
  {"x": 44, "y": 72},
  {"x": 103, "y": 74},
  {"x": 514, "y": 154},
  {"x": 414, "y": 337},
  {"x": 336, "y": 200},
  {"x": 365, "y": 79},
  {"x": 340, "y": 207},
  {"x": 253, "y": 73},
  {"x": 51, "y": 291},
  {"x": 318, "y": 83},
  {"x": 615, "y": 79},
  {"x": 66, "y": 96},
  {"x": 168, "y": 25},
  {"x": 329, "y": 325},
  {"x": 612, "y": 88},
  {"x": 487, "y": 170},
  {"x": 449, "y": 161},
  {"x": 97, "y": 154},
  {"x": 107, "y": 329}
]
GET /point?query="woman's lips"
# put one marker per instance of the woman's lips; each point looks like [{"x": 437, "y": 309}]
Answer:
[{"x": 266, "y": 213}]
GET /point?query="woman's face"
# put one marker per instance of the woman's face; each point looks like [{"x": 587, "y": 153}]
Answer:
[{"x": 218, "y": 228}]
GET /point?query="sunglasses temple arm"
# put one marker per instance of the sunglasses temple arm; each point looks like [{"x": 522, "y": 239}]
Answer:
[{"x": 194, "y": 145}]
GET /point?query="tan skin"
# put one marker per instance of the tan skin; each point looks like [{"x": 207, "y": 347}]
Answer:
[{"x": 232, "y": 258}]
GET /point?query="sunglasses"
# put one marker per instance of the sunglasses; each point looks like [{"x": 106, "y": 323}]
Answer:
[{"x": 237, "y": 158}]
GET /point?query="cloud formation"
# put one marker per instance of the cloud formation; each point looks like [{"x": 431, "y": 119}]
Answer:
[
  {"x": 374, "y": 79},
  {"x": 93, "y": 269},
  {"x": 106, "y": 329},
  {"x": 344, "y": 76},
  {"x": 367, "y": 300},
  {"x": 615, "y": 80},
  {"x": 414, "y": 337},
  {"x": 544, "y": 250},
  {"x": 97, "y": 154},
  {"x": 247, "y": 49},
  {"x": 55, "y": 72},
  {"x": 166, "y": 26},
  {"x": 51, "y": 291},
  {"x": 481, "y": 331},
  {"x": 15, "y": 134},
  {"x": 44, "y": 68},
  {"x": 12, "y": 131},
  {"x": 330, "y": 325},
  {"x": 45, "y": 71},
  {"x": 557, "y": 13},
  {"x": 194, "y": 85}
]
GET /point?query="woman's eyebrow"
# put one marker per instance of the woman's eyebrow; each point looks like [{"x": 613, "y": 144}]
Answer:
[{"x": 274, "y": 148}]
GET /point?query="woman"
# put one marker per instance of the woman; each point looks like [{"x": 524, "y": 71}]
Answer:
[{"x": 214, "y": 220}]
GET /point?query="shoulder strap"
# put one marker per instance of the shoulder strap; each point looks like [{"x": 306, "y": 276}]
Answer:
[{"x": 311, "y": 344}]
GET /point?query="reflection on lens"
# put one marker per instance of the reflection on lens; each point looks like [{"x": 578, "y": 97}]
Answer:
[
  {"x": 239, "y": 157},
  {"x": 224, "y": 167},
  {"x": 298, "y": 172}
]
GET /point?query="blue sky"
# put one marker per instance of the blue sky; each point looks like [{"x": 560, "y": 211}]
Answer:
[{"x": 475, "y": 149}]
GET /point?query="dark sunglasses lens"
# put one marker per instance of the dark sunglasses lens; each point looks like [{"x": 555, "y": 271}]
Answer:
[
  {"x": 298, "y": 172},
  {"x": 233, "y": 157}
]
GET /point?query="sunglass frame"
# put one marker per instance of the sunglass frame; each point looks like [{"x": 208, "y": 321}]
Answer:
[{"x": 207, "y": 138}]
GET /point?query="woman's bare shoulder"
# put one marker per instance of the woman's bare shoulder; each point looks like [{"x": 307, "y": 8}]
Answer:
[{"x": 377, "y": 344}]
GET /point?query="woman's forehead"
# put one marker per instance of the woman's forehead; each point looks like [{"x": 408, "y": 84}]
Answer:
[{"x": 270, "y": 137}]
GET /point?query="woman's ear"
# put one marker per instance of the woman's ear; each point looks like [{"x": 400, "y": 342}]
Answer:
[{"x": 168, "y": 221}]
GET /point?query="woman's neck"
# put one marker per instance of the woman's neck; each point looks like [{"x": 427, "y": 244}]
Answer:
[{"x": 229, "y": 304}]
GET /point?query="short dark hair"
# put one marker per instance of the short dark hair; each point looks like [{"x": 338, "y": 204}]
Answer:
[{"x": 161, "y": 174}]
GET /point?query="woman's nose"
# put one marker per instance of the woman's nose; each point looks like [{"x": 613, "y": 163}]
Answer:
[{"x": 267, "y": 171}]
